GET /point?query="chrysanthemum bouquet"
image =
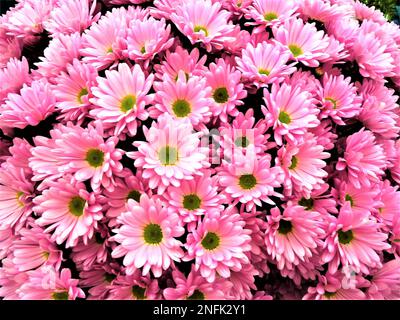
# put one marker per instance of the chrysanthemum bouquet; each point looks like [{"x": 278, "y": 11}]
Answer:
[{"x": 204, "y": 149}]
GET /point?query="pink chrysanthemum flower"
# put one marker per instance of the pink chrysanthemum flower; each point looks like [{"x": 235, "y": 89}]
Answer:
[
  {"x": 147, "y": 237},
  {"x": 267, "y": 13},
  {"x": 193, "y": 198},
  {"x": 339, "y": 98},
  {"x": 86, "y": 255},
  {"x": 264, "y": 63},
  {"x": 195, "y": 287},
  {"x": 130, "y": 187},
  {"x": 99, "y": 280},
  {"x": 385, "y": 282},
  {"x": 243, "y": 283},
  {"x": 227, "y": 90},
  {"x": 305, "y": 43},
  {"x": 294, "y": 236},
  {"x": 183, "y": 98},
  {"x": 236, "y": 7},
  {"x": 320, "y": 200},
  {"x": 203, "y": 21},
  {"x": 120, "y": 99},
  {"x": 46, "y": 283},
  {"x": 34, "y": 104},
  {"x": 322, "y": 11},
  {"x": 389, "y": 199},
  {"x": 181, "y": 59},
  {"x": 250, "y": 180},
  {"x": 364, "y": 12},
  {"x": 71, "y": 16},
  {"x": 303, "y": 166},
  {"x": 364, "y": 159},
  {"x": 72, "y": 90},
  {"x": 290, "y": 110},
  {"x": 68, "y": 210},
  {"x": 16, "y": 193},
  {"x": 146, "y": 38},
  {"x": 78, "y": 151},
  {"x": 354, "y": 240},
  {"x": 171, "y": 153},
  {"x": 35, "y": 249},
  {"x": 60, "y": 52},
  {"x": 325, "y": 135},
  {"x": 219, "y": 245},
  {"x": 20, "y": 153},
  {"x": 10, "y": 47},
  {"x": 13, "y": 76}
]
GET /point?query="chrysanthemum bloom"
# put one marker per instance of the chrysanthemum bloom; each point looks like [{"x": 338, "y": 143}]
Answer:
[
  {"x": 195, "y": 287},
  {"x": 322, "y": 11},
  {"x": 293, "y": 236},
  {"x": 389, "y": 199},
  {"x": 68, "y": 209},
  {"x": 320, "y": 200},
  {"x": 303, "y": 165},
  {"x": 130, "y": 187},
  {"x": 35, "y": 249},
  {"x": 10, "y": 47},
  {"x": 290, "y": 110},
  {"x": 80, "y": 152},
  {"x": 339, "y": 98},
  {"x": 364, "y": 159},
  {"x": 364, "y": 12},
  {"x": 270, "y": 12},
  {"x": 305, "y": 43},
  {"x": 193, "y": 198},
  {"x": 11, "y": 280},
  {"x": 236, "y": 7},
  {"x": 264, "y": 63},
  {"x": 13, "y": 76},
  {"x": 219, "y": 245},
  {"x": 120, "y": 99},
  {"x": 203, "y": 21},
  {"x": 354, "y": 240},
  {"x": 20, "y": 153},
  {"x": 170, "y": 154},
  {"x": 330, "y": 287},
  {"x": 61, "y": 51},
  {"x": 86, "y": 255},
  {"x": 16, "y": 193},
  {"x": 227, "y": 89},
  {"x": 46, "y": 283},
  {"x": 244, "y": 133},
  {"x": 71, "y": 16},
  {"x": 34, "y": 104},
  {"x": 250, "y": 180},
  {"x": 325, "y": 135},
  {"x": 72, "y": 90},
  {"x": 362, "y": 200},
  {"x": 385, "y": 282},
  {"x": 378, "y": 112},
  {"x": 134, "y": 287},
  {"x": 99, "y": 280},
  {"x": 164, "y": 8},
  {"x": 181, "y": 59},
  {"x": 243, "y": 283},
  {"x": 183, "y": 98},
  {"x": 146, "y": 38},
  {"x": 147, "y": 237}
]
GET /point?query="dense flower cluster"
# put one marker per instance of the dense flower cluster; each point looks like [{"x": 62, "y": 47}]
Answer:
[{"x": 205, "y": 149}]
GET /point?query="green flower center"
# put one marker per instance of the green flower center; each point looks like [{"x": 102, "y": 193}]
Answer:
[
  {"x": 82, "y": 93},
  {"x": 269, "y": 16},
  {"x": 95, "y": 157},
  {"x": 329, "y": 295},
  {"x": 181, "y": 108},
  {"x": 210, "y": 241},
  {"x": 197, "y": 295},
  {"x": 191, "y": 202},
  {"x": 306, "y": 203},
  {"x": 109, "y": 277},
  {"x": 133, "y": 194},
  {"x": 284, "y": 117},
  {"x": 201, "y": 28},
  {"x": 143, "y": 50},
  {"x": 295, "y": 50},
  {"x": 60, "y": 295},
  {"x": 152, "y": 234},
  {"x": 221, "y": 95},
  {"x": 285, "y": 226},
  {"x": 345, "y": 237},
  {"x": 242, "y": 142},
  {"x": 294, "y": 163},
  {"x": 247, "y": 181},
  {"x": 127, "y": 103},
  {"x": 76, "y": 206},
  {"x": 138, "y": 292},
  {"x": 18, "y": 196},
  {"x": 168, "y": 156},
  {"x": 109, "y": 50},
  {"x": 334, "y": 102},
  {"x": 350, "y": 199},
  {"x": 264, "y": 71}
]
